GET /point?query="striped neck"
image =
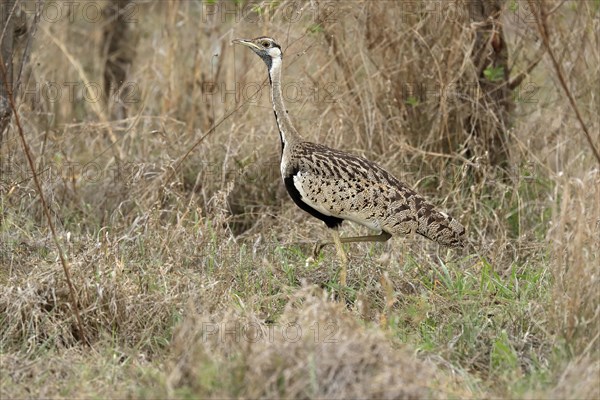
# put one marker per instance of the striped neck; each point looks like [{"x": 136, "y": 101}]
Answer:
[{"x": 287, "y": 132}]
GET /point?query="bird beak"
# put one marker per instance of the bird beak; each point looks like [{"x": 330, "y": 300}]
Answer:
[{"x": 245, "y": 42}]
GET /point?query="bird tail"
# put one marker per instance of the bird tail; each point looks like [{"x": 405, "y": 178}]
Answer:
[{"x": 441, "y": 228}]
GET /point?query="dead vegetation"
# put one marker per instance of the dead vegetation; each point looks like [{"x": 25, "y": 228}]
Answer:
[
  {"x": 191, "y": 276},
  {"x": 315, "y": 350}
]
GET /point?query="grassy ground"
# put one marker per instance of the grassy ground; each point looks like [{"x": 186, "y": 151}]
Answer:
[{"x": 194, "y": 276}]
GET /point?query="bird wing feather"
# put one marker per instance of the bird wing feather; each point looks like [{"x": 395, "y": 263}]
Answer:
[
  {"x": 350, "y": 187},
  {"x": 347, "y": 186}
]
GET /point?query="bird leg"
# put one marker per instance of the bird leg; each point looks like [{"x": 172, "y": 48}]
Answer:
[
  {"x": 343, "y": 259},
  {"x": 382, "y": 237}
]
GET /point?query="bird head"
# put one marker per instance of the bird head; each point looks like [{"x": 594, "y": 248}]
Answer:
[{"x": 265, "y": 47}]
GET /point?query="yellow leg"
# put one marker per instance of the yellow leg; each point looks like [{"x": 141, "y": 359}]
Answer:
[
  {"x": 382, "y": 237},
  {"x": 343, "y": 259}
]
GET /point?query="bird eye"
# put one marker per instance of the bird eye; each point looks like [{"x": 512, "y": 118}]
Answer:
[{"x": 266, "y": 44}]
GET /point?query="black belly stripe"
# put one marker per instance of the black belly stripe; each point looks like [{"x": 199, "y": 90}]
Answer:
[{"x": 331, "y": 222}]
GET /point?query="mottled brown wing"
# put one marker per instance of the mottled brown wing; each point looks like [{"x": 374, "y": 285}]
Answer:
[{"x": 345, "y": 186}]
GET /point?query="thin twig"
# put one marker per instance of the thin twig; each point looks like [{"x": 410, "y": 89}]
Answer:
[
  {"x": 215, "y": 126},
  {"x": 210, "y": 131},
  {"x": 540, "y": 19},
  {"x": 516, "y": 81},
  {"x": 46, "y": 209}
]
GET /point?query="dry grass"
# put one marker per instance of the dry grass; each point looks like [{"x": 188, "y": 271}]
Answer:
[
  {"x": 166, "y": 260},
  {"x": 315, "y": 350}
]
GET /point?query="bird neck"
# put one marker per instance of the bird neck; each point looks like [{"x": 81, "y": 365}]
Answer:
[{"x": 287, "y": 132}]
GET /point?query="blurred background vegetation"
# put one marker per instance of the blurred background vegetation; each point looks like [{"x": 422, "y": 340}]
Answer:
[{"x": 158, "y": 159}]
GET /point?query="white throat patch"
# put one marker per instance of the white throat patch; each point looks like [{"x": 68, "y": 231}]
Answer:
[{"x": 276, "y": 61}]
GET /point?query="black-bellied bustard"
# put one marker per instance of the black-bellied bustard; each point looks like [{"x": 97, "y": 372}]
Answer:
[{"x": 334, "y": 186}]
